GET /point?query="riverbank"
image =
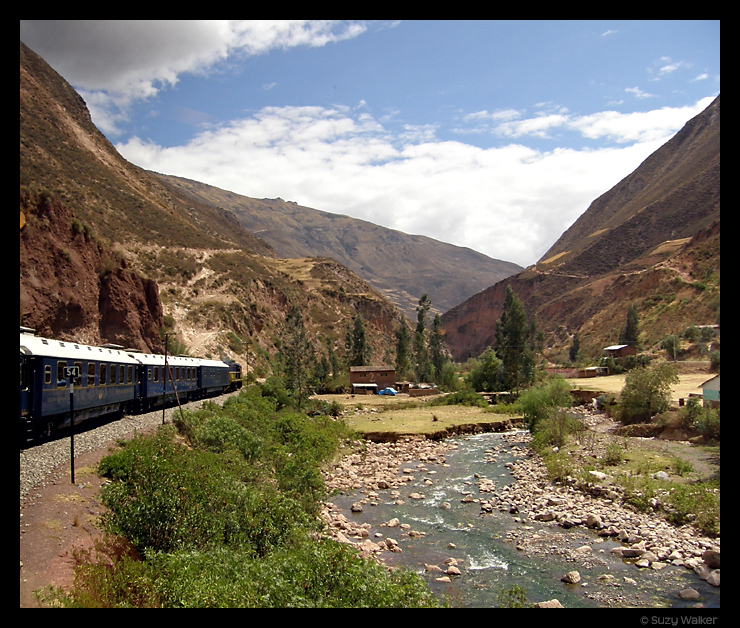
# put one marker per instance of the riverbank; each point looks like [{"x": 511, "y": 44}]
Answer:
[{"x": 535, "y": 506}]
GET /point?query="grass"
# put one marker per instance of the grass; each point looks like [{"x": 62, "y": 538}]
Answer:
[
  {"x": 688, "y": 383},
  {"x": 402, "y": 415}
]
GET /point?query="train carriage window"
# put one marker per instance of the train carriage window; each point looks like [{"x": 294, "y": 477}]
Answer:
[
  {"x": 78, "y": 379},
  {"x": 122, "y": 374},
  {"x": 91, "y": 373},
  {"x": 156, "y": 373},
  {"x": 61, "y": 382},
  {"x": 103, "y": 374},
  {"x": 47, "y": 374},
  {"x": 149, "y": 374},
  {"x": 130, "y": 378}
]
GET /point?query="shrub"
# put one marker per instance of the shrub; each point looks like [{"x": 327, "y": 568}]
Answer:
[
  {"x": 228, "y": 518},
  {"x": 554, "y": 429},
  {"x": 515, "y": 597},
  {"x": 461, "y": 398},
  {"x": 614, "y": 454},
  {"x": 167, "y": 497},
  {"x": 538, "y": 401},
  {"x": 110, "y": 575},
  {"x": 308, "y": 574},
  {"x": 697, "y": 504}
]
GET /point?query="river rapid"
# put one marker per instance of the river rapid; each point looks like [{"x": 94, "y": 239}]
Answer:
[{"x": 497, "y": 551}]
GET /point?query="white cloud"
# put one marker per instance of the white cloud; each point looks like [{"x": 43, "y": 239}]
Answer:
[
  {"x": 638, "y": 93},
  {"x": 510, "y": 202},
  {"x": 118, "y": 61}
]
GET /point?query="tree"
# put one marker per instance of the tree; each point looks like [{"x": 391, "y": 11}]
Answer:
[
  {"x": 575, "y": 348},
  {"x": 646, "y": 392},
  {"x": 333, "y": 359},
  {"x": 631, "y": 331},
  {"x": 536, "y": 337},
  {"x": 420, "y": 345},
  {"x": 511, "y": 343},
  {"x": 436, "y": 348},
  {"x": 296, "y": 356},
  {"x": 484, "y": 376},
  {"x": 403, "y": 348},
  {"x": 361, "y": 351},
  {"x": 672, "y": 345}
]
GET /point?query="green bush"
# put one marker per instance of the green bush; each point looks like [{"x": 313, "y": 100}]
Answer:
[
  {"x": 461, "y": 398},
  {"x": 554, "y": 429},
  {"x": 697, "y": 504},
  {"x": 614, "y": 454},
  {"x": 539, "y": 401},
  {"x": 309, "y": 574},
  {"x": 167, "y": 497}
]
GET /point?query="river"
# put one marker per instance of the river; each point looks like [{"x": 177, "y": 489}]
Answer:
[{"x": 485, "y": 544}]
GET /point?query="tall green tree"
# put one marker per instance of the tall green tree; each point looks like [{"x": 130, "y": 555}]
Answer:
[
  {"x": 333, "y": 359},
  {"x": 403, "y": 349},
  {"x": 296, "y": 356},
  {"x": 485, "y": 374},
  {"x": 512, "y": 333},
  {"x": 629, "y": 335},
  {"x": 361, "y": 350},
  {"x": 575, "y": 348},
  {"x": 437, "y": 348},
  {"x": 420, "y": 345},
  {"x": 536, "y": 337}
]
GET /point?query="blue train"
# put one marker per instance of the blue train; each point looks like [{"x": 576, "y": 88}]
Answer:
[{"x": 107, "y": 380}]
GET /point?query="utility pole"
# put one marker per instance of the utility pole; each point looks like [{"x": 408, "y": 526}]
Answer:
[{"x": 71, "y": 372}]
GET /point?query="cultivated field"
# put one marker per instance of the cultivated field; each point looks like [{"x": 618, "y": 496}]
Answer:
[{"x": 689, "y": 384}]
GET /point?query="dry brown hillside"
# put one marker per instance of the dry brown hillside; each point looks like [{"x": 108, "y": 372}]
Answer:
[
  {"x": 652, "y": 240},
  {"x": 111, "y": 253}
]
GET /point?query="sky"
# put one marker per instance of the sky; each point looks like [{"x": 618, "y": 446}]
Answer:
[{"x": 491, "y": 135}]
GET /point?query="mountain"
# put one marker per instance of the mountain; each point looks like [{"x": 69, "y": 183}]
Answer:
[
  {"x": 111, "y": 253},
  {"x": 401, "y": 266},
  {"x": 652, "y": 240}
]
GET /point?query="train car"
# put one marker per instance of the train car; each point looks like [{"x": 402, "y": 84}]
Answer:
[
  {"x": 214, "y": 377},
  {"x": 181, "y": 378},
  {"x": 105, "y": 381}
]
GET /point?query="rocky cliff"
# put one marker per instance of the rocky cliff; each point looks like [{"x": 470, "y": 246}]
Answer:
[{"x": 71, "y": 287}]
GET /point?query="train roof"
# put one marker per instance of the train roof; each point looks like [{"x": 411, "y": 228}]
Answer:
[
  {"x": 31, "y": 344},
  {"x": 36, "y": 345},
  {"x": 172, "y": 360}
]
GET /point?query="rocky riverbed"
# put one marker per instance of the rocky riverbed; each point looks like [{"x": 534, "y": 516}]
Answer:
[{"x": 644, "y": 541}]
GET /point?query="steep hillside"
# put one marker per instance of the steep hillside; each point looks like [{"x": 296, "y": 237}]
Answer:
[
  {"x": 652, "y": 240},
  {"x": 110, "y": 253},
  {"x": 401, "y": 266},
  {"x": 672, "y": 195}
]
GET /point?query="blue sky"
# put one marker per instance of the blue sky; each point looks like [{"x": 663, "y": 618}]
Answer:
[{"x": 485, "y": 134}]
